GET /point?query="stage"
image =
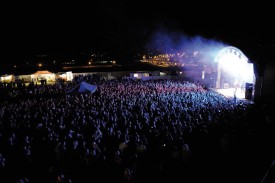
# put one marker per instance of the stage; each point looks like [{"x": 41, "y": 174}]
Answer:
[{"x": 229, "y": 92}]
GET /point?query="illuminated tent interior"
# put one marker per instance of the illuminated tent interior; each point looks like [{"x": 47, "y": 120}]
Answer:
[{"x": 49, "y": 76}]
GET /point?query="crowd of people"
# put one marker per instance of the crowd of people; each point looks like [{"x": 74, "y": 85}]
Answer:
[{"x": 127, "y": 131}]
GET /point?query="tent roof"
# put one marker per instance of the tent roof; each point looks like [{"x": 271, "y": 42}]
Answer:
[
  {"x": 82, "y": 87},
  {"x": 42, "y": 72}
]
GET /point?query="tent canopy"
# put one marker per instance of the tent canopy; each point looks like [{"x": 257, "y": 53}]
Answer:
[
  {"x": 42, "y": 72},
  {"x": 82, "y": 87}
]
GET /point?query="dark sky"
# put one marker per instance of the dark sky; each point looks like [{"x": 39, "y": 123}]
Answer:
[{"x": 118, "y": 26}]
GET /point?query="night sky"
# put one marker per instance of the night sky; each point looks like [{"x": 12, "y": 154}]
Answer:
[{"x": 119, "y": 26}]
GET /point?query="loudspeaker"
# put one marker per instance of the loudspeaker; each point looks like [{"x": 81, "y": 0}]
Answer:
[{"x": 248, "y": 90}]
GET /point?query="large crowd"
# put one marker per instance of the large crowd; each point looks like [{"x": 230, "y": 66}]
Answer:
[{"x": 127, "y": 131}]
